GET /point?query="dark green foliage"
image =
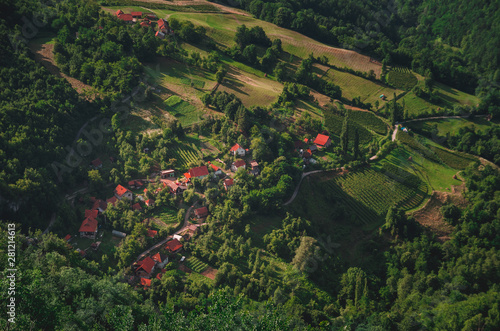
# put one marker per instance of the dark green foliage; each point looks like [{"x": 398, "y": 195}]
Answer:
[{"x": 402, "y": 80}]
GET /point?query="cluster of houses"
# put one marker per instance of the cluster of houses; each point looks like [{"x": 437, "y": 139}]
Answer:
[
  {"x": 308, "y": 147},
  {"x": 146, "y": 20}
]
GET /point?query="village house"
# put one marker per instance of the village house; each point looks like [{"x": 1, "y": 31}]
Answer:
[
  {"x": 238, "y": 164},
  {"x": 112, "y": 200},
  {"x": 97, "y": 163},
  {"x": 237, "y": 150},
  {"x": 150, "y": 203},
  {"x": 201, "y": 212},
  {"x": 121, "y": 192},
  {"x": 313, "y": 148},
  {"x": 152, "y": 233},
  {"x": 92, "y": 213},
  {"x": 173, "y": 246},
  {"x": 322, "y": 141},
  {"x": 145, "y": 23},
  {"x": 174, "y": 188},
  {"x": 198, "y": 172},
  {"x": 135, "y": 184},
  {"x": 88, "y": 229},
  {"x": 160, "y": 259},
  {"x": 145, "y": 282},
  {"x": 100, "y": 205},
  {"x": 254, "y": 168},
  {"x": 167, "y": 174},
  {"x": 228, "y": 183},
  {"x": 126, "y": 18},
  {"x": 119, "y": 12},
  {"x": 160, "y": 34},
  {"x": 217, "y": 170},
  {"x": 145, "y": 267},
  {"x": 136, "y": 14},
  {"x": 136, "y": 207}
]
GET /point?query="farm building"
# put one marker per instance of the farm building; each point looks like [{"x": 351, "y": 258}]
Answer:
[
  {"x": 238, "y": 164},
  {"x": 126, "y": 17},
  {"x": 201, "y": 212},
  {"x": 228, "y": 183},
  {"x": 198, "y": 172},
  {"x": 322, "y": 141},
  {"x": 167, "y": 173},
  {"x": 237, "y": 150},
  {"x": 97, "y": 163},
  {"x": 313, "y": 148},
  {"x": 173, "y": 246},
  {"x": 121, "y": 192},
  {"x": 88, "y": 229},
  {"x": 136, "y": 14},
  {"x": 119, "y": 12},
  {"x": 118, "y": 234},
  {"x": 145, "y": 267},
  {"x": 175, "y": 188},
  {"x": 146, "y": 24}
]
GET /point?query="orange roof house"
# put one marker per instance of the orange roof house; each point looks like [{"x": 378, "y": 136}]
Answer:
[
  {"x": 322, "y": 141},
  {"x": 126, "y": 17},
  {"x": 201, "y": 212},
  {"x": 88, "y": 228},
  {"x": 121, "y": 192},
  {"x": 237, "y": 150},
  {"x": 162, "y": 24},
  {"x": 173, "y": 245},
  {"x": 238, "y": 164},
  {"x": 137, "y": 207},
  {"x": 145, "y": 267},
  {"x": 119, "y": 12},
  {"x": 112, "y": 201},
  {"x": 152, "y": 233},
  {"x": 198, "y": 172},
  {"x": 136, "y": 14}
]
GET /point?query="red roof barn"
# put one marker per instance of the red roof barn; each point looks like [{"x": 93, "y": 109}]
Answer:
[
  {"x": 136, "y": 14},
  {"x": 126, "y": 17}
]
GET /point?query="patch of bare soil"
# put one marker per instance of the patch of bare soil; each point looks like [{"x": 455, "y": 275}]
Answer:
[
  {"x": 185, "y": 269},
  {"x": 322, "y": 99},
  {"x": 209, "y": 273},
  {"x": 44, "y": 53},
  {"x": 430, "y": 215}
]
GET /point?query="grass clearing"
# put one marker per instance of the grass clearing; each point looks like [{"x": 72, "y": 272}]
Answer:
[
  {"x": 449, "y": 126},
  {"x": 354, "y": 86},
  {"x": 185, "y": 112},
  {"x": 402, "y": 78}
]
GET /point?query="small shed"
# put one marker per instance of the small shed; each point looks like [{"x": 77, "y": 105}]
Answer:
[{"x": 118, "y": 234}]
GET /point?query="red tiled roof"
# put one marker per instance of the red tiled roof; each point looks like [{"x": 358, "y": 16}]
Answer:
[
  {"x": 136, "y": 13},
  {"x": 88, "y": 225},
  {"x": 146, "y": 264},
  {"x": 91, "y": 213},
  {"x": 162, "y": 23},
  {"x": 112, "y": 200},
  {"x": 306, "y": 140},
  {"x": 214, "y": 167},
  {"x": 136, "y": 206},
  {"x": 321, "y": 139},
  {"x": 145, "y": 281},
  {"x": 159, "y": 276},
  {"x": 254, "y": 164},
  {"x": 97, "y": 162},
  {"x": 100, "y": 204},
  {"x": 235, "y": 148},
  {"x": 149, "y": 202},
  {"x": 198, "y": 171},
  {"x": 152, "y": 233},
  {"x": 131, "y": 183},
  {"x": 68, "y": 237},
  {"x": 229, "y": 182},
  {"x": 145, "y": 23},
  {"x": 201, "y": 212},
  {"x": 120, "y": 190},
  {"x": 173, "y": 245},
  {"x": 187, "y": 175},
  {"x": 239, "y": 163},
  {"x": 119, "y": 12},
  {"x": 157, "y": 258},
  {"x": 126, "y": 17}
]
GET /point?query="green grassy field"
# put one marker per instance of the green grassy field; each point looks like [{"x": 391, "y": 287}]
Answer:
[
  {"x": 354, "y": 86},
  {"x": 185, "y": 112},
  {"x": 449, "y": 126},
  {"x": 167, "y": 215}
]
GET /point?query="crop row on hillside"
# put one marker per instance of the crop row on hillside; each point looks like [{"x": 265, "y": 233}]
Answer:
[
  {"x": 402, "y": 79},
  {"x": 334, "y": 122},
  {"x": 369, "y": 121},
  {"x": 184, "y": 155}
]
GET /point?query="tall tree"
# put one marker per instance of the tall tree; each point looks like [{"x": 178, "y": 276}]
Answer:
[
  {"x": 344, "y": 135},
  {"x": 356, "y": 144}
]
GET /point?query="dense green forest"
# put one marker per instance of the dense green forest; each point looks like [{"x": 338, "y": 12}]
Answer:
[{"x": 277, "y": 266}]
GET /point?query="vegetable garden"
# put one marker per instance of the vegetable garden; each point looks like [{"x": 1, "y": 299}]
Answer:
[
  {"x": 184, "y": 154},
  {"x": 195, "y": 264},
  {"x": 402, "y": 78},
  {"x": 369, "y": 120}
]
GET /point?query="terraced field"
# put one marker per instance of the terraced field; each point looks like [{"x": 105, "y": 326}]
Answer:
[
  {"x": 168, "y": 216},
  {"x": 196, "y": 265},
  {"x": 184, "y": 154},
  {"x": 369, "y": 121}
]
